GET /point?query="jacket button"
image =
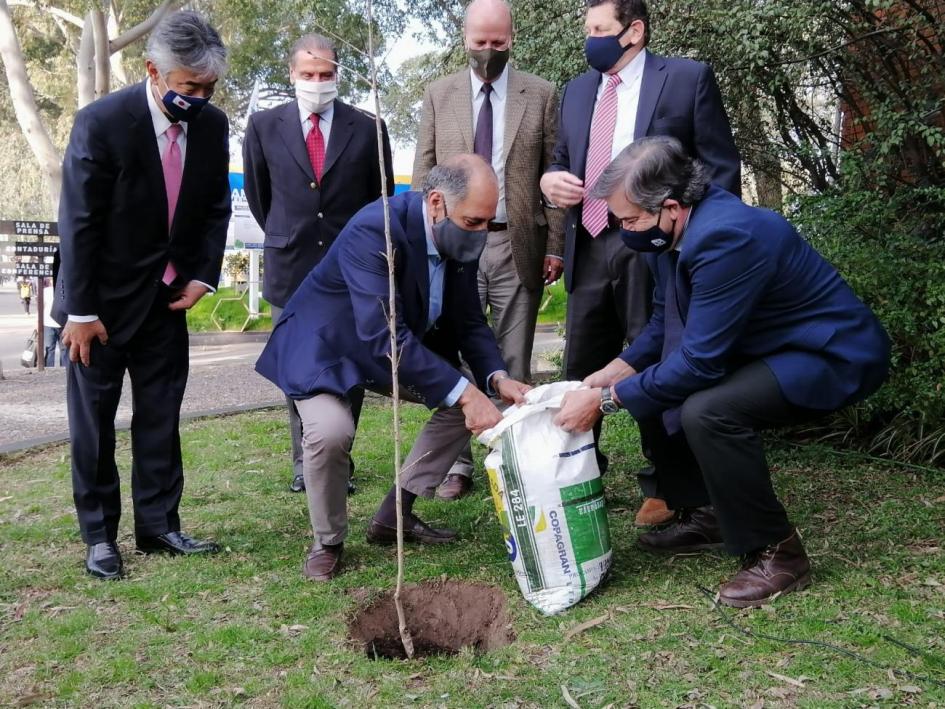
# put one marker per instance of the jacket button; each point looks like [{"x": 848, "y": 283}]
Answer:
[
  {"x": 313, "y": 185},
  {"x": 320, "y": 215},
  {"x": 321, "y": 243}
]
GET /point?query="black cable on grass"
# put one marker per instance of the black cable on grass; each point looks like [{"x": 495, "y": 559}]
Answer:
[{"x": 906, "y": 674}]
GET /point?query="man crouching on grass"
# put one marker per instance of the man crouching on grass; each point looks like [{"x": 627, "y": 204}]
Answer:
[{"x": 751, "y": 329}]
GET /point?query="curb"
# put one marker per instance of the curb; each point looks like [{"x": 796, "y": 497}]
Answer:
[
  {"x": 20, "y": 446},
  {"x": 205, "y": 339}
]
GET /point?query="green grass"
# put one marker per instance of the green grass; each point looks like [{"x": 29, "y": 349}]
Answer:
[
  {"x": 245, "y": 628},
  {"x": 554, "y": 301},
  {"x": 230, "y": 315}
]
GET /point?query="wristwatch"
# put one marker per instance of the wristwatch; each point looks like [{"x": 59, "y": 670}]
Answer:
[
  {"x": 607, "y": 403},
  {"x": 545, "y": 202}
]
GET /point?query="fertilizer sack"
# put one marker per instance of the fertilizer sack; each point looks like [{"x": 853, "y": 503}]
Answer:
[{"x": 548, "y": 492}]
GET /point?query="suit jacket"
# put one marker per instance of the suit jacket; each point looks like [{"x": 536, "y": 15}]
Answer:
[
  {"x": 333, "y": 335},
  {"x": 531, "y": 127},
  {"x": 300, "y": 216},
  {"x": 113, "y": 231},
  {"x": 749, "y": 288},
  {"x": 678, "y": 97}
]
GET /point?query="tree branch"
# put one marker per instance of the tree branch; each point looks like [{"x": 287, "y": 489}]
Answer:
[
  {"x": 54, "y": 11},
  {"x": 140, "y": 30}
]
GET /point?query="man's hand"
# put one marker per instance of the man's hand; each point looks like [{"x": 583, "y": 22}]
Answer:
[
  {"x": 579, "y": 410},
  {"x": 510, "y": 390},
  {"x": 609, "y": 375},
  {"x": 187, "y": 297},
  {"x": 562, "y": 188},
  {"x": 78, "y": 336},
  {"x": 552, "y": 269},
  {"x": 481, "y": 414}
]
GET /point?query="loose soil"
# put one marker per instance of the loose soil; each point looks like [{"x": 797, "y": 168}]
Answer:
[{"x": 443, "y": 618}]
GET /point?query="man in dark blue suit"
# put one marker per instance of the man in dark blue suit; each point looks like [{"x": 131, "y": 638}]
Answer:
[
  {"x": 627, "y": 94},
  {"x": 751, "y": 329},
  {"x": 333, "y": 339},
  {"x": 142, "y": 222},
  {"x": 309, "y": 166}
]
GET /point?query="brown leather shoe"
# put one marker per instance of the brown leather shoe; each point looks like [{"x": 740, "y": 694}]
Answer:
[
  {"x": 767, "y": 574},
  {"x": 322, "y": 563},
  {"x": 454, "y": 487},
  {"x": 692, "y": 530},
  {"x": 415, "y": 530},
  {"x": 653, "y": 512}
]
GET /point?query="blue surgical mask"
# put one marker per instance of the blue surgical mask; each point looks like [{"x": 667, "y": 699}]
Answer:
[
  {"x": 454, "y": 242},
  {"x": 651, "y": 240},
  {"x": 181, "y": 107},
  {"x": 603, "y": 53}
]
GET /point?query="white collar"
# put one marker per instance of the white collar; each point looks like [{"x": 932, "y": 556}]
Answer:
[
  {"x": 325, "y": 115},
  {"x": 158, "y": 117},
  {"x": 499, "y": 86},
  {"x": 428, "y": 230},
  {"x": 633, "y": 71}
]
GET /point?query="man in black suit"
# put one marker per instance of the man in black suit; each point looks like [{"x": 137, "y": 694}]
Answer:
[
  {"x": 309, "y": 166},
  {"x": 142, "y": 222},
  {"x": 628, "y": 93}
]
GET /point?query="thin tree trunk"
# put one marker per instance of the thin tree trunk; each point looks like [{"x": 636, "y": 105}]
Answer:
[
  {"x": 102, "y": 65},
  {"x": 25, "y": 108},
  {"x": 118, "y": 68},
  {"x": 85, "y": 64},
  {"x": 405, "y": 636}
]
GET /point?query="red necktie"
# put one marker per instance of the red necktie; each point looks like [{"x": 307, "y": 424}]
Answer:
[
  {"x": 594, "y": 214},
  {"x": 315, "y": 142},
  {"x": 173, "y": 167}
]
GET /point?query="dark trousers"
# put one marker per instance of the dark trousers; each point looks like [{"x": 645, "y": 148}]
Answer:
[
  {"x": 719, "y": 457},
  {"x": 50, "y": 342},
  {"x": 608, "y": 305},
  {"x": 156, "y": 358},
  {"x": 355, "y": 398}
]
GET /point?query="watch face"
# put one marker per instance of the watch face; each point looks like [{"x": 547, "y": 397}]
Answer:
[{"x": 609, "y": 407}]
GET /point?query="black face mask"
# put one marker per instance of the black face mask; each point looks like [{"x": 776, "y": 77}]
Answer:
[
  {"x": 454, "y": 242},
  {"x": 651, "y": 240},
  {"x": 488, "y": 63},
  {"x": 603, "y": 53}
]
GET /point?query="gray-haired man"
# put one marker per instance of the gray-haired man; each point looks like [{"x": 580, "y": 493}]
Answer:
[
  {"x": 333, "y": 339},
  {"x": 142, "y": 222}
]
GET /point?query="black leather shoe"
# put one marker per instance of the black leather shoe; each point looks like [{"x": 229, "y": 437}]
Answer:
[
  {"x": 692, "y": 530},
  {"x": 176, "y": 543},
  {"x": 351, "y": 486},
  {"x": 297, "y": 484},
  {"x": 104, "y": 561},
  {"x": 415, "y": 530}
]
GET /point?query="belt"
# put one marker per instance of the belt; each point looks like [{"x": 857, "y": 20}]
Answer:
[{"x": 498, "y": 226}]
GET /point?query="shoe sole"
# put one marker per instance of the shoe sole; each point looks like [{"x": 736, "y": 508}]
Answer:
[
  {"x": 112, "y": 577},
  {"x": 173, "y": 552},
  {"x": 799, "y": 585},
  {"x": 691, "y": 549}
]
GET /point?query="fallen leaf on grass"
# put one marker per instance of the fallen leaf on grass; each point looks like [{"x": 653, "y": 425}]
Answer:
[
  {"x": 790, "y": 680},
  {"x": 4, "y": 499},
  {"x": 911, "y": 689},
  {"x": 292, "y": 629},
  {"x": 669, "y": 606},
  {"x": 20, "y": 611},
  {"x": 587, "y": 625},
  {"x": 568, "y": 699}
]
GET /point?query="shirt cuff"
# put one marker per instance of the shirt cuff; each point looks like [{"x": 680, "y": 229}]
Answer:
[
  {"x": 210, "y": 288},
  {"x": 456, "y": 392},
  {"x": 83, "y": 318},
  {"x": 555, "y": 256}
]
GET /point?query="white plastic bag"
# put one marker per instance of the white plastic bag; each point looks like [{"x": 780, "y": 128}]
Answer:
[{"x": 548, "y": 492}]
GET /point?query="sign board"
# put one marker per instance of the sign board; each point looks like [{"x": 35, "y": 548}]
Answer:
[
  {"x": 22, "y": 227},
  {"x": 32, "y": 248},
  {"x": 34, "y": 270},
  {"x": 244, "y": 226}
]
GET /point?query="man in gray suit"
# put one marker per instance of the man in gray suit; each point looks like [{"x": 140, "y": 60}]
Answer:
[{"x": 510, "y": 119}]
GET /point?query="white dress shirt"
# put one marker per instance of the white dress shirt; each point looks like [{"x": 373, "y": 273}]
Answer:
[
  {"x": 500, "y": 91},
  {"x": 628, "y": 99},
  {"x": 325, "y": 123}
]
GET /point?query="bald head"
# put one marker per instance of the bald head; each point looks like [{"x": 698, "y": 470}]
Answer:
[
  {"x": 464, "y": 187},
  {"x": 488, "y": 24}
]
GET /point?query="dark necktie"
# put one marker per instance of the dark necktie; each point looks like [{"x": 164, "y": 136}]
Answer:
[
  {"x": 482, "y": 145},
  {"x": 672, "y": 333}
]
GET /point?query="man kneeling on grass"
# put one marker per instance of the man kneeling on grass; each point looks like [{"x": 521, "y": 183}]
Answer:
[
  {"x": 751, "y": 329},
  {"x": 333, "y": 338}
]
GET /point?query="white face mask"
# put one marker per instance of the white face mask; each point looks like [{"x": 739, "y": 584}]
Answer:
[{"x": 315, "y": 96}]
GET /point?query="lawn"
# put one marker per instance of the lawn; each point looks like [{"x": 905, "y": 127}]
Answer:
[{"x": 245, "y": 628}]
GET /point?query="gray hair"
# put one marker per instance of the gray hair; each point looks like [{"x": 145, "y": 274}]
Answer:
[
  {"x": 652, "y": 170},
  {"x": 184, "y": 40},
  {"x": 310, "y": 43},
  {"x": 452, "y": 176}
]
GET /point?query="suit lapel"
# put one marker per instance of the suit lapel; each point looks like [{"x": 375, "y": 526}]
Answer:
[
  {"x": 462, "y": 107},
  {"x": 651, "y": 86},
  {"x": 515, "y": 103},
  {"x": 341, "y": 131},
  {"x": 290, "y": 130},
  {"x": 416, "y": 261},
  {"x": 148, "y": 152},
  {"x": 192, "y": 158},
  {"x": 585, "y": 89}
]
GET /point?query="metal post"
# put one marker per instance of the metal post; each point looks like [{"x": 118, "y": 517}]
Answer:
[
  {"x": 254, "y": 283},
  {"x": 40, "y": 331}
]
